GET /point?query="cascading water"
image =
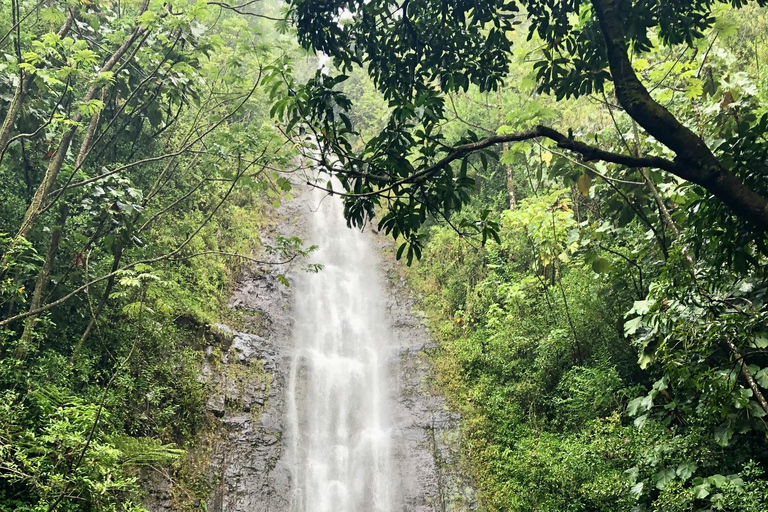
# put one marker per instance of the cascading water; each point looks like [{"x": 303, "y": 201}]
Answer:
[{"x": 338, "y": 401}]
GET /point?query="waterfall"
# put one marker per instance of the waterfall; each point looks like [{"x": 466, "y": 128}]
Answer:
[{"x": 338, "y": 399}]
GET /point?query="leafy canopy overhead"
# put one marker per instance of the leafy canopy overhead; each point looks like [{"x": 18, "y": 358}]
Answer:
[
  {"x": 411, "y": 44},
  {"x": 417, "y": 52}
]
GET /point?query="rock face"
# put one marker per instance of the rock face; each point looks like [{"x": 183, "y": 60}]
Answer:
[
  {"x": 243, "y": 458},
  {"x": 429, "y": 447},
  {"x": 250, "y": 382}
]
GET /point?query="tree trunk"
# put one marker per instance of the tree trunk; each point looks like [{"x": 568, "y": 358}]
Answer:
[
  {"x": 509, "y": 171},
  {"x": 13, "y": 112},
  {"x": 99, "y": 308},
  {"x": 695, "y": 162},
  {"x": 41, "y": 282},
  {"x": 748, "y": 376},
  {"x": 90, "y": 133},
  {"x": 656, "y": 196},
  {"x": 14, "y": 109},
  {"x": 54, "y": 166}
]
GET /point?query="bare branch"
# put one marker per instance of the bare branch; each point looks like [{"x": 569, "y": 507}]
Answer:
[
  {"x": 21, "y": 20},
  {"x": 239, "y": 10},
  {"x": 166, "y": 256},
  {"x": 236, "y": 255},
  {"x": 160, "y": 157}
]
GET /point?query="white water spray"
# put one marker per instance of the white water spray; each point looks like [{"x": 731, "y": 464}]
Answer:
[{"x": 338, "y": 396}]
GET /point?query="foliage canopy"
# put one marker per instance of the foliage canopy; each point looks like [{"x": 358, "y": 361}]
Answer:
[{"x": 418, "y": 52}]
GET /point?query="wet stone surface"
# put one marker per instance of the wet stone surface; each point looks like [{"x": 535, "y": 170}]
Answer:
[
  {"x": 428, "y": 439},
  {"x": 247, "y": 374}
]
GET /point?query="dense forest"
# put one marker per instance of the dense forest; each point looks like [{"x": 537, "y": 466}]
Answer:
[
  {"x": 139, "y": 166},
  {"x": 579, "y": 191}
]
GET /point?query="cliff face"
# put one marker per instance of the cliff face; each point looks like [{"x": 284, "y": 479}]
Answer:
[
  {"x": 241, "y": 459},
  {"x": 233, "y": 466},
  {"x": 428, "y": 441},
  {"x": 251, "y": 382}
]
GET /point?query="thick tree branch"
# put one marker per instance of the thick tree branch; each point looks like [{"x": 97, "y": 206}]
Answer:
[
  {"x": 56, "y": 193},
  {"x": 695, "y": 162},
  {"x": 748, "y": 376},
  {"x": 163, "y": 257},
  {"x": 14, "y": 109},
  {"x": 167, "y": 256},
  {"x": 20, "y": 21},
  {"x": 236, "y": 255},
  {"x": 35, "y": 208},
  {"x": 588, "y": 153},
  {"x": 239, "y": 10}
]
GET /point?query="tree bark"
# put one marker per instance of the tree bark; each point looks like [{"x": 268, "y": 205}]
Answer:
[
  {"x": 100, "y": 307},
  {"x": 695, "y": 162},
  {"x": 13, "y": 111},
  {"x": 41, "y": 282},
  {"x": 85, "y": 146},
  {"x": 748, "y": 376},
  {"x": 656, "y": 196},
  {"x": 509, "y": 171}
]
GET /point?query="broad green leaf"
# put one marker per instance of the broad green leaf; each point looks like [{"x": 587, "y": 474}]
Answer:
[
  {"x": 723, "y": 434},
  {"x": 718, "y": 481},
  {"x": 761, "y": 341},
  {"x": 148, "y": 18},
  {"x": 32, "y": 58},
  {"x": 694, "y": 89},
  {"x": 601, "y": 265},
  {"x": 584, "y": 183},
  {"x": 761, "y": 377},
  {"x": 641, "y": 307},
  {"x": 664, "y": 478},
  {"x": 640, "y": 64},
  {"x": 86, "y": 56},
  {"x": 645, "y": 359},
  {"x": 635, "y": 406},
  {"x": 701, "y": 491},
  {"x": 686, "y": 470},
  {"x": 508, "y": 157},
  {"x": 631, "y": 326},
  {"x": 756, "y": 410}
]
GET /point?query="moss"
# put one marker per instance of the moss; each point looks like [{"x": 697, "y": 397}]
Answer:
[
  {"x": 217, "y": 360},
  {"x": 244, "y": 375},
  {"x": 191, "y": 481}
]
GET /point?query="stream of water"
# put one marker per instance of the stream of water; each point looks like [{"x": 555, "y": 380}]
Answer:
[{"x": 339, "y": 399}]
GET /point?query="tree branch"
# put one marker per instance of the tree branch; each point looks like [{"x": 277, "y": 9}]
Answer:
[
  {"x": 239, "y": 10},
  {"x": 183, "y": 149},
  {"x": 748, "y": 376},
  {"x": 695, "y": 162},
  {"x": 162, "y": 257},
  {"x": 588, "y": 153},
  {"x": 236, "y": 255},
  {"x": 21, "y": 20}
]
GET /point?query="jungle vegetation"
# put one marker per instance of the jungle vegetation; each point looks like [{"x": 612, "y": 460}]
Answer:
[
  {"x": 138, "y": 169},
  {"x": 585, "y": 185},
  {"x": 580, "y": 189}
]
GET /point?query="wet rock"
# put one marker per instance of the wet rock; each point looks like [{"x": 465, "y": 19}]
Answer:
[
  {"x": 247, "y": 370},
  {"x": 216, "y": 406},
  {"x": 428, "y": 437}
]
